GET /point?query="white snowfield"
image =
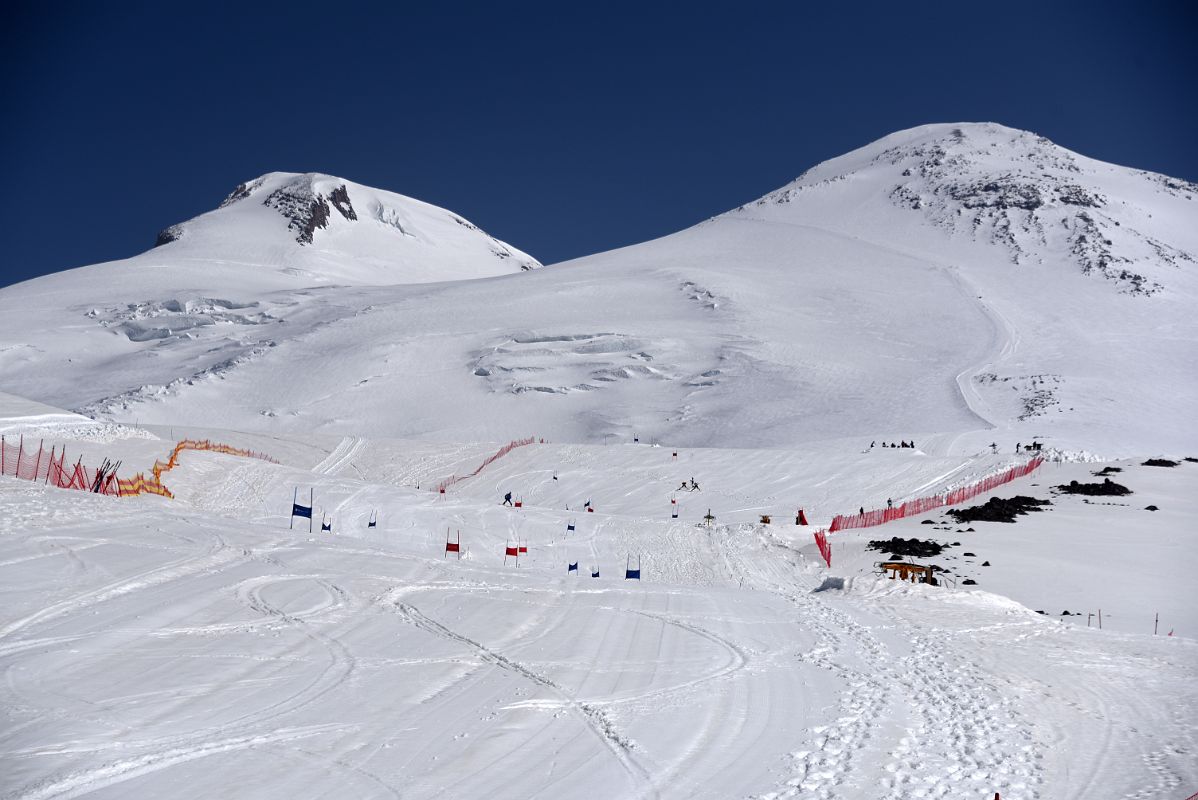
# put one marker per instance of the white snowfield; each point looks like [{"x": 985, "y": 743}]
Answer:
[
  {"x": 198, "y": 647},
  {"x": 954, "y": 285}
]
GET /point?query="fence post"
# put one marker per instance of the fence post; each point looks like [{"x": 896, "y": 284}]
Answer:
[
  {"x": 20, "y": 452},
  {"x": 3, "y": 447},
  {"x": 38, "y": 464}
]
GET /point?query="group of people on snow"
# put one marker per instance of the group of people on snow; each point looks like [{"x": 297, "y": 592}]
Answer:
[{"x": 892, "y": 444}]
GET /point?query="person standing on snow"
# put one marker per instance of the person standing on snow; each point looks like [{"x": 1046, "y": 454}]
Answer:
[{"x": 507, "y": 499}]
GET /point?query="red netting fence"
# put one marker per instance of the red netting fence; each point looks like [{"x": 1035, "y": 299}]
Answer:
[
  {"x": 920, "y": 505},
  {"x": 52, "y": 468},
  {"x": 825, "y": 549},
  {"x": 491, "y": 459}
]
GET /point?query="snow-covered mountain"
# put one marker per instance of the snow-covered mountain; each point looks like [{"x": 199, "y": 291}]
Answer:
[
  {"x": 319, "y": 229},
  {"x": 1037, "y": 203},
  {"x": 959, "y": 284}
]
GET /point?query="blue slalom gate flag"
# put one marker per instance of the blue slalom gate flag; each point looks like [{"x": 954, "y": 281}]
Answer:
[
  {"x": 569, "y": 526},
  {"x": 326, "y": 526},
  {"x": 631, "y": 574},
  {"x": 302, "y": 511},
  {"x": 572, "y": 567},
  {"x": 595, "y": 573}
]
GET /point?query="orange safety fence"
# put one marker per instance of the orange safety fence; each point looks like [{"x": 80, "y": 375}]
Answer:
[{"x": 140, "y": 484}]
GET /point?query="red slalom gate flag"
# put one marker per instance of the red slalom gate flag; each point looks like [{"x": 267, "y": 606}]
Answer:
[{"x": 511, "y": 551}]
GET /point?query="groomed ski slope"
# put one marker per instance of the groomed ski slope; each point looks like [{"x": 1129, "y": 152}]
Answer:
[{"x": 198, "y": 648}]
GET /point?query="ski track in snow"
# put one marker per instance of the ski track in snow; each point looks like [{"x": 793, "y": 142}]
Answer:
[
  {"x": 341, "y": 456},
  {"x": 594, "y": 718},
  {"x": 88, "y": 781}
]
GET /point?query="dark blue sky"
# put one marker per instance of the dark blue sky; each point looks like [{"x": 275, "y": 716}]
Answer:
[{"x": 562, "y": 128}]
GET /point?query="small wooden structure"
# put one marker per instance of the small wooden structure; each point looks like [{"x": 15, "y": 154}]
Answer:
[{"x": 905, "y": 571}]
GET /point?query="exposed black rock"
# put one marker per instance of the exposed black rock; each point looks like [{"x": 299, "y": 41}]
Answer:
[
  {"x": 1151, "y": 508},
  {"x": 1106, "y": 488},
  {"x": 1160, "y": 462},
  {"x": 969, "y": 582},
  {"x": 242, "y": 191},
  {"x": 1005, "y": 192},
  {"x": 306, "y": 212},
  {"x": 1107, "y": 471},
  {"x": 899, "y": 547},
  {"x": 340, "y": 200},
  {"x": 168, "y": 235},
  {"x": 998, "y": 509}
]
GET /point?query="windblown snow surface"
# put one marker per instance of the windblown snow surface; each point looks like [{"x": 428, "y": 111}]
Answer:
[{"x": 957, "y": 285}]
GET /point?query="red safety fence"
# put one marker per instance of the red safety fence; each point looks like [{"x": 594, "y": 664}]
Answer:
[
  {"x": 140, "y": 484},
  {"x": 52, "y": 468},
  {"x": 498, "y": 454},
  {"x": 921, "y": 505},
  {"x": 825, "y": 549}
]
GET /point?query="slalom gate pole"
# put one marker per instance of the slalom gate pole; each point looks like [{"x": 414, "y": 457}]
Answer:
[
  {"x": 311, "y": 506},
  {"x": 294, "y": 497}
]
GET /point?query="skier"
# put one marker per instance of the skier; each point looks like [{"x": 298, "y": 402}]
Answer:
[
  {"x": 889, "y": 503},
  {"x": 1017, "y": 448},
  {"x": 861, "y": 511},
  {"x": 507, "y": 499},
  {"x": 694, "y": 486}
]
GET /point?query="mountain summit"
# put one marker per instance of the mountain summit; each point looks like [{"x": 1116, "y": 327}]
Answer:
[
  {"x": 320, "y": 228},
  {"x": 1033, "y": 201}
]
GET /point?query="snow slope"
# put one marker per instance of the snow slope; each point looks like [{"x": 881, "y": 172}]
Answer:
[
  {"x": 197, "y": 647},
  {"x": 957, "y": 284}
]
